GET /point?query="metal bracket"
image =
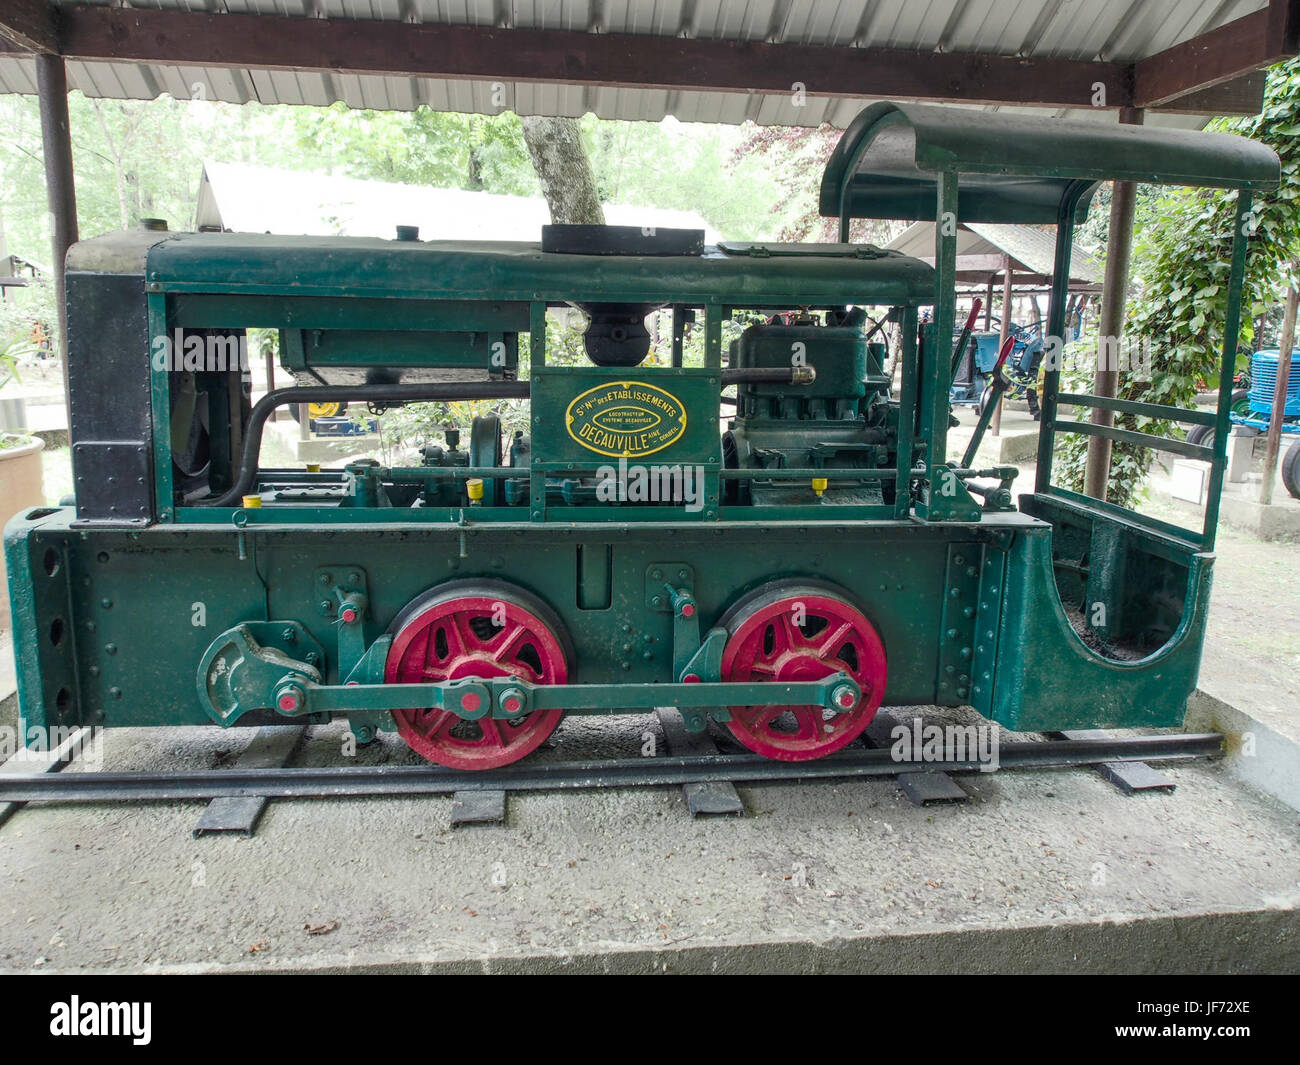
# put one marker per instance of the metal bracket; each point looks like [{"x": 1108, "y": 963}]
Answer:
[
  {"x": 678, "y": 574},
  {"x": 244, "y": 664},
  {"x": 366, "y": 724},
  {"x": 704, "y": 666},
  {"x": 961, "y": 599},
  {"x": 944, "y": 497},
  {"x": 339, "y": 588}
]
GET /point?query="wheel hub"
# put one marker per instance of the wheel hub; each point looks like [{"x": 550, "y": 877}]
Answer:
[
  {"x": 800, "y": 632},
  {"x": 476, "y": 630}
]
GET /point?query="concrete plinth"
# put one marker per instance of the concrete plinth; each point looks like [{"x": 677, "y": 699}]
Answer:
[
  {"x": 1051, "y": 871},
  {"x": 1186, "y": 484}
]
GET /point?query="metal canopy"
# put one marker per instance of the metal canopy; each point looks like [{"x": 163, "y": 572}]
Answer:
[{"x": 1016, "y": 169}]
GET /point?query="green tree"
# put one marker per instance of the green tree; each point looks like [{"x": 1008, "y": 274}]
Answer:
[{"x": 1180, "y": 266}]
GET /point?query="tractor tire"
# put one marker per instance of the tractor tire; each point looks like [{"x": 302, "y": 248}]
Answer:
[
  {"x": 1240, "y": 402},
  {"x": 1201, "y": 434},
  {"x": 1291, "y": 470}
]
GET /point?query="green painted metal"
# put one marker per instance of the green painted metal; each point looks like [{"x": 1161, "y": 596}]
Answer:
[
  {"x": 243, "y": 264},
  {"x": 1231, "y": 329},
  {"x": 1069, "y": 613},
  {"x": 885, "y": 164}
]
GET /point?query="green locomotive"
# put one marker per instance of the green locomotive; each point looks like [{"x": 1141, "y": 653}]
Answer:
[{"x": 783, "y": 561}]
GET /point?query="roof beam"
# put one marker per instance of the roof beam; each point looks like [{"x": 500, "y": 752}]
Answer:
[
  {"x": 30, "y": 25},
  {"x": 1204, "y": 75},
  {"x": 566, "y": 57},
  {"x": 1218, "y": 56}
]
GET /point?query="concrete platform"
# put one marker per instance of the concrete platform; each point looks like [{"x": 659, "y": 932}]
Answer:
[
  {"x": 1051, "y": 871},
  {"x": 1184, "y": 484},
  {"x": 286, "y": 437},
  {"x": 1017, "y": 442}
]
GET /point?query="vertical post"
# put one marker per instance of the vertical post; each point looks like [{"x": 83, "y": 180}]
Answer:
[
  {"x": 1119, "y": 244},
  {"x": 936, "y": 373},
  {"x": 906, "y": 365},
  {"x": 269, "y": 358},
  {"x": 1281, "y": 387},
  {"x": 988, "y": 304},
  {"x": 1231, "y": 331},
  {"x": 995, "y": 426},
  {"x": 1060, "y": 293},
  {"x": 60, "y": 190}
]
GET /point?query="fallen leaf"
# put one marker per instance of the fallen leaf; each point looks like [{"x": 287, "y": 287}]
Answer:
[
  {"x": 320, "y": 929},
  {"x": 260, "y": 945}
]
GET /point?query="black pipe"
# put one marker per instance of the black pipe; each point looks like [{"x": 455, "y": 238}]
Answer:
[{"x": 447, "y": 391}]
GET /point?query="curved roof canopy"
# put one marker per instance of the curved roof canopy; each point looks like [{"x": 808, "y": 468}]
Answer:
[{"x": 1016, "y": 169}]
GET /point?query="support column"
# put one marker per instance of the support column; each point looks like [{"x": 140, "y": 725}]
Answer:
[
  {"x": 1273, "y": 442},
  {"x": 1111, "y": 321},
  {"x": 61, "y": 193},
  {"x": 995, "y": 426}
]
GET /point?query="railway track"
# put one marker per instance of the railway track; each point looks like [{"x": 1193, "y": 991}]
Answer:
[{"x": 358, "y": 781}]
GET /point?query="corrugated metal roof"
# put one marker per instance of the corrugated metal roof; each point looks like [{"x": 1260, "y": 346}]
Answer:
[
  {"x": 1030, "y": 247},
  {"x": 1111, "y": 30}
]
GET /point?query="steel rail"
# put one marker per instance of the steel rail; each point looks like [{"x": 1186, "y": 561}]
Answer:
[{"x": 348, "y": 781}]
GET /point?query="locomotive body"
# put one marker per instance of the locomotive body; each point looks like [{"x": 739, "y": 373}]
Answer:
[{"x": 783, "y": 561}]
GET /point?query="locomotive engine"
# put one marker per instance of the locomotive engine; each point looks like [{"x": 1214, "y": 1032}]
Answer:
[{"x": 770, "y": 535}]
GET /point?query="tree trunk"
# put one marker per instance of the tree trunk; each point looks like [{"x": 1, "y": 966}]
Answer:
[{"x": 564, "y": 170}]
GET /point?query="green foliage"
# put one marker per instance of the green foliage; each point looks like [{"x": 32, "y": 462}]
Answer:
[
  {"x": 687, "y": 166},
  {"x": 1180, "y": 267}
]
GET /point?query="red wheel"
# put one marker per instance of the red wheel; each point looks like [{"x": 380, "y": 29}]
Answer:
[
  {"x": 801, "y": 630},
  {"x": 476, "y": 629}
]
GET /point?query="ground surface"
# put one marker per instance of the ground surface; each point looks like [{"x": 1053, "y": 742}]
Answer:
[{"x": 575, "y": 875}]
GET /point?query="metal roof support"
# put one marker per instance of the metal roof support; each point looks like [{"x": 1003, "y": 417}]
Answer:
[
  {"x": 1231, "y": 332},
  {"x": 61, "y": 193},
  {"x": 1281, "y": 386},
  {"x": 1119, "y": 244},
  {"x": 1008, "y": 285},
  {"x": 1075, "y": 192}
]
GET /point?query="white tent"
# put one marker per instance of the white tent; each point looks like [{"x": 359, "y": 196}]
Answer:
[{"x": 247, "y": 198}]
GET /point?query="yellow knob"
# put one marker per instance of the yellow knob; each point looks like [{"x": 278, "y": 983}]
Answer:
[
  {"x": 252, "y": 502},
  {"x": 313, "y": 467},
  {"x": 474, "y": 488},
  {"x": 819, "y": 485}
]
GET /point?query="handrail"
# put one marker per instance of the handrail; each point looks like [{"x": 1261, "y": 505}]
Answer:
[
  {"x": 1182, "y": 415},
  {"x": 1127, "y": 436}
]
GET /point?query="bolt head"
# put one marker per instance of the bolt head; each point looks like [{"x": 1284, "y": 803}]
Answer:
[
  {"x": 469, "y": 701},
  {"x": 688, "y": 610},
  {"x": 691, "y": 678},
  {"x": 349, "y": 614},
  {"x": 288, "y": 701}
]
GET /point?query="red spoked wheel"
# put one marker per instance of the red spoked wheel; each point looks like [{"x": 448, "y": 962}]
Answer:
[
  {"x": 801, "y": 630},
  {"x": 477, "y": 629}
]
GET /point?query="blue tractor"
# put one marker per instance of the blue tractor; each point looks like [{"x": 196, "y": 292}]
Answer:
[
  {"x": 1253, "y": 408},
  {"x": 970, "y": 386}
]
